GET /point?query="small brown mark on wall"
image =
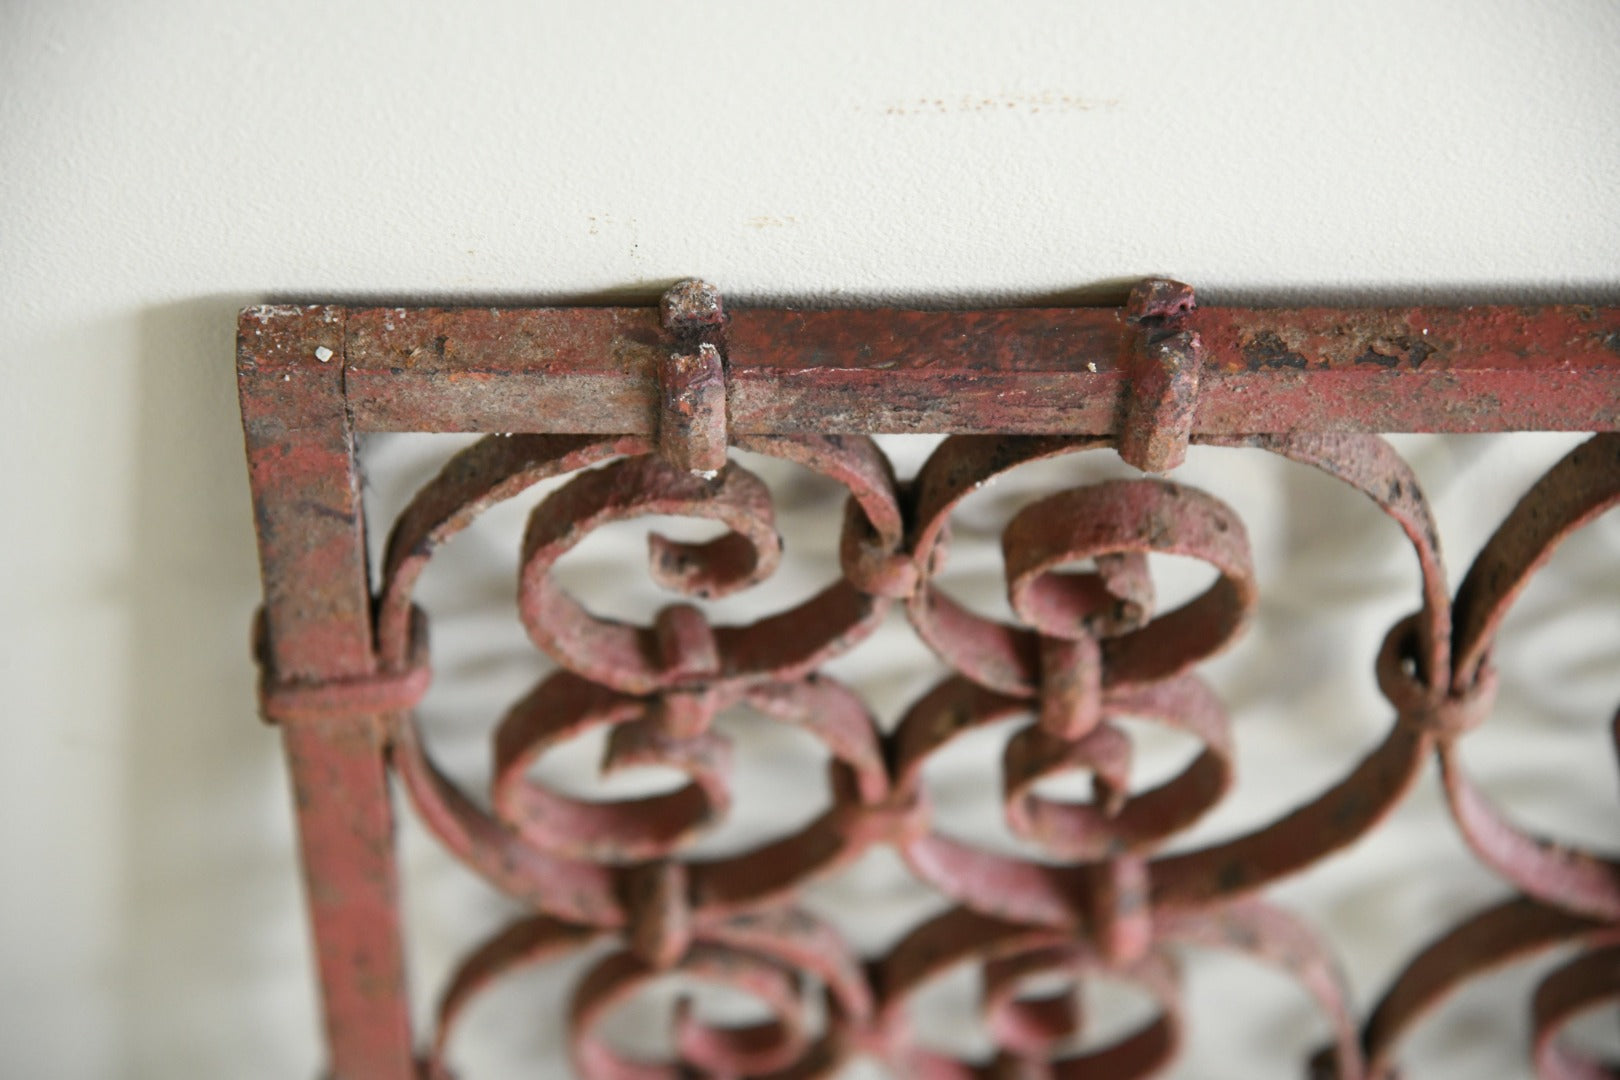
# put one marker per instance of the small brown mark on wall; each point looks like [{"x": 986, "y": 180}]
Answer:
[{"x": 1031, "y": 102}]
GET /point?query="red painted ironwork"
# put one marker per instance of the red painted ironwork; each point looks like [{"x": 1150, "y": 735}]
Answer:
[{"x": 637, "y": 407}]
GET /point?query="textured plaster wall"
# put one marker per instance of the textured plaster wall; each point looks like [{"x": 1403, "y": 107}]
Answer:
[{"x": 163, "y": 163}]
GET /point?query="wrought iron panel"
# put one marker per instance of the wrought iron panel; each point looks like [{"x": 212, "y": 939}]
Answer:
[{"x": 629, "y": 412}]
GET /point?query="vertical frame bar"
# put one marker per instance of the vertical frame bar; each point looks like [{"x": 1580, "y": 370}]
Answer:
[{"x": 317, "y": 628}]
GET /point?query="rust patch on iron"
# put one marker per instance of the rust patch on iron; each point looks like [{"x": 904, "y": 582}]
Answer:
[{"x": 1268, "y": 350}]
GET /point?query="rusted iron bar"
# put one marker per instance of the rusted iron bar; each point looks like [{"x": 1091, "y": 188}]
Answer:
[
  {"x": 692, "y": 416},
  {"x": 314, "y": 643},
  {"x": 1012, "y": 371},
  {"x": 1164, "y": 371}
]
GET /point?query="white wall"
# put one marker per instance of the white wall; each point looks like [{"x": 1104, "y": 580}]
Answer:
[{"x": 163, "y": 163}]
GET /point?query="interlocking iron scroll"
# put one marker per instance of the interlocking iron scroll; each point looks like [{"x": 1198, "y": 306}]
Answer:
[{"x": 637, "y": 407}]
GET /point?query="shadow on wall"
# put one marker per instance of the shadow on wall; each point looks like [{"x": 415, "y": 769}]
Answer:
[{"x": 213, "y": 929}]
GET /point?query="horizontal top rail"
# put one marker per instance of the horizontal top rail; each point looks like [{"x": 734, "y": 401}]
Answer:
[{"x": 1015, "y": 370}]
